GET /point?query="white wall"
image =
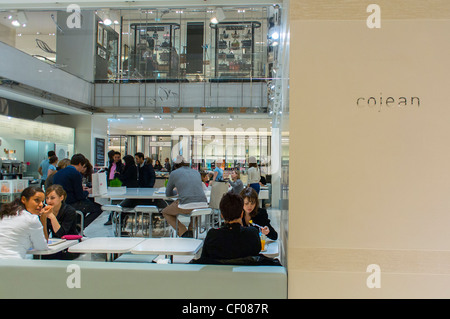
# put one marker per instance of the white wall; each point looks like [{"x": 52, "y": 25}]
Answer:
[{"x": 368, "y": 185}]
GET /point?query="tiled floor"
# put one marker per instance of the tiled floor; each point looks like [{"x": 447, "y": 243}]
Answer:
[{"x": 98, "y": 229}]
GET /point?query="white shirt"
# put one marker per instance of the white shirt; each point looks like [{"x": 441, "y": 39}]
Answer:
[
  {"x": 19, "y": 233},
  {"x": 253, "y": 175}
]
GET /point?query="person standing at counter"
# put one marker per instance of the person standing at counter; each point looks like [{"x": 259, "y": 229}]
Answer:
[
  {"x": 43, "y": 167},
  {"x": 53, "y": 162},
  {"x": 218, "y": 172},
  {"x": 254, "y": 175},
  {"x": 115, "y": 166},
  {"x": 188, "y": 184},
  {"x": 71, "y": 180},
  {"x": 129, "y": 174},
  {"x": 146, "y": 173},
  {"x": 20, "y": 227}
]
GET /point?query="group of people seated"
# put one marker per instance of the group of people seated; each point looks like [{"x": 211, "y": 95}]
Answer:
[
  {"x": 48, "y": 210},
  {"x": 38, "y": 213}
]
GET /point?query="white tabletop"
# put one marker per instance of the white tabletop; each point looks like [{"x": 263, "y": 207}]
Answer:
[
  {"x": 271, "y": 248},
  {"x": 137, "y": 193},
  {"x": 143, "y": 193},
  {"x": 53, "y": 249},
  {"x": 168, "y": 246},
  {"x": 108, "y": 245}
]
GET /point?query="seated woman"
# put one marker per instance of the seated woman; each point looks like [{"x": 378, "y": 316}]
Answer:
[
  {"x": 62, "y": 219},
  {"x": 256, "y": 214},
  {"x": 232, "y": 240},
  {"x": 20, "y": 227},
  {"x": 236, "y": 182}
]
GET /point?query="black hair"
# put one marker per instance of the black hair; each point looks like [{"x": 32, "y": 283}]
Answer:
[
  {"x": 12, "y": 208},
  {"x": 51, "y": 153},
  {"x": 53, "y": 159},
  {"x": 231, "y": 206},
  {"x": 129, "y": 160},
  {"x": 139, "y": 154},
  {"x": 78, "y": 159}
]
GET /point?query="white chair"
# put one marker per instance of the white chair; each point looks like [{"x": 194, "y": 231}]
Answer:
[
  {"x": 117, "y": 211},
  {"x": 150, "y": 210},
  {"x": 218, "y": 189},
  {"x": 196, "y": 216}
]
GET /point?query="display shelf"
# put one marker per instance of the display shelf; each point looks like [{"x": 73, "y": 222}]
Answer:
[
  {"x": 154, "y": 53},
  {"x": 235, "y": 54}
]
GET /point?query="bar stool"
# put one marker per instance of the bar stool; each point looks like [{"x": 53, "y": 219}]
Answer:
[
  {"x": 117, "y": 211},
  {"x": 196, "y": 216},
  {"x": 150, "y": 210}
]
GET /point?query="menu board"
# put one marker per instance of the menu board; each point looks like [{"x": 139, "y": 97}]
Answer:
[{"x": 99, "y": 152}]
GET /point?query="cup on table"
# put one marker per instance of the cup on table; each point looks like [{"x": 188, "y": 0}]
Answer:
[{"x": 263, "y": 242}]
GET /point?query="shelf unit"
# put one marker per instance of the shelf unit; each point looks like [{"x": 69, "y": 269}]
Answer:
[
  {"x": 154, "y": 53},
  {"x": 235, "y": 55}
]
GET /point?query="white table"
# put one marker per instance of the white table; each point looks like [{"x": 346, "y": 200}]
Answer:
[
  {"x": 106, "y": 245},
  {"x": 168, "y": 247},
  {"x": 139, "y": 193},
  {"x": 53, "y": 249},
  {"x": 271, "y": 249}
]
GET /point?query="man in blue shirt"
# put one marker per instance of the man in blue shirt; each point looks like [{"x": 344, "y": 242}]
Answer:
[
  {"x": 43, "y": 167},
  {"x": 70, "y": 179}
]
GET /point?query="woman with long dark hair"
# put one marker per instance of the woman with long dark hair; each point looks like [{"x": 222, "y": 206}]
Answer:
[
  {"x": 20, "y": 226},
  {"x": 258, "y": 216},
  {"x": 128, "y": 176}
]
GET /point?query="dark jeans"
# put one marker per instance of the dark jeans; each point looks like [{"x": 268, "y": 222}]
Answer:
[
  {"x": 256, "y": 187},
  {"x": 89, "y": 209}
]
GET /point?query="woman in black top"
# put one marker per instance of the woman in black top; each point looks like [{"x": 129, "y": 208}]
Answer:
[
  {"x": 257, "y": 215},
  {"x": 62, "y": 219},
  {"x": 128, "y": 176}
]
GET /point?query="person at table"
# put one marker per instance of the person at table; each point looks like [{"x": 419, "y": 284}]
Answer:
[
  {"x": 235, "y": 182},
  {"x": 62, "y": 218},
  {"x": 157, "y": 166},
  {"x": 115, "y": 167},
  {"x": 254, "y": 175},
  {"x": 61, "y": 164},
  {"x": 71, "y": 180},
  {"x": 232, "y": 240},
  {"x": 167, "y": 164},
  {"x": 256, "y": 214},
  {"x": 205, "y": 181},
  {"x": 20, "y": 226},
  {"x": 146, "y": 173},
  {"x": 189, "y": 189}
]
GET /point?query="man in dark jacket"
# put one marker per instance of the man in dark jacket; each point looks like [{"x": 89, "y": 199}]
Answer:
[
  {"x": 70, "y": 179},
  {"x": 146, "y": 173}
]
